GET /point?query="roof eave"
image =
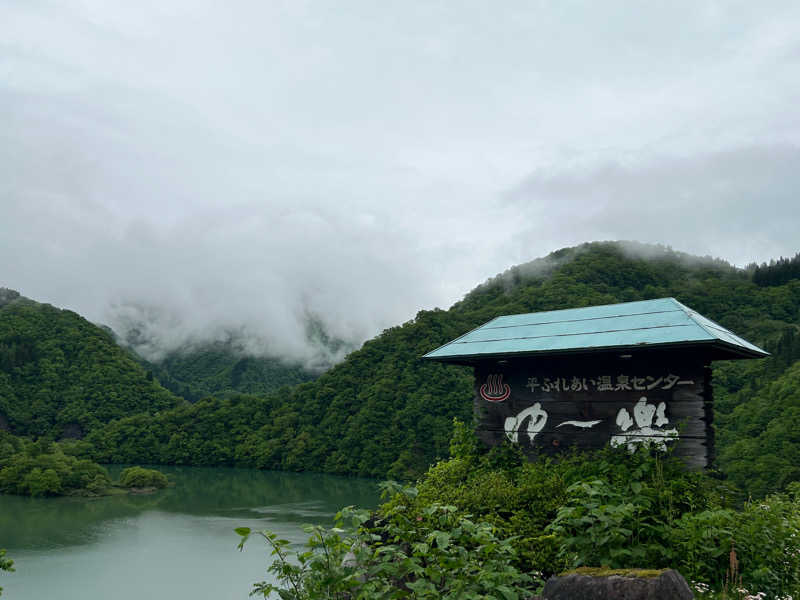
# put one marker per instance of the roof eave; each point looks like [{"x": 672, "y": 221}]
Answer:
[{"x": 731, "y": 351}]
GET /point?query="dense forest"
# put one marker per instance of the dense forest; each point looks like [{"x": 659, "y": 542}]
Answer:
[
  {"x": 62, "y": 376},
  {"x": 222, "y": 368},
  {"x": 385, "y": 412},
  {"x": 777, "y": 272}
]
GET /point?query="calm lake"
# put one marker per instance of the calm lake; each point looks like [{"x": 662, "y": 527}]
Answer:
[{"x": 174, "y": 544}]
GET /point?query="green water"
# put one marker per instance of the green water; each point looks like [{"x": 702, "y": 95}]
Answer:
[{"x": 175, "y": 544}]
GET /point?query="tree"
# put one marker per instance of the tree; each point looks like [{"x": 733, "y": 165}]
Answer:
[{"x": 6, "y": 564}]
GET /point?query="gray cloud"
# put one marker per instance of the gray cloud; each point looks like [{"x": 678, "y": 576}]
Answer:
[
  {"x": 205, "y": 169},
  {"x": 741, "y": 204}
]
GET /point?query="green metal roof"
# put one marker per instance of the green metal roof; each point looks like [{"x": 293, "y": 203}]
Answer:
[{"x": 631, "y": 325}]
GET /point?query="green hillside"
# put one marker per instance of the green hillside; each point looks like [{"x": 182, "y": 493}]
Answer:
[
  {"x": 61, "y": 376},
  {"x": 383, "y": 411},
  {"x": 758, "y": 430},
  {"x": 222, "y": 369}
]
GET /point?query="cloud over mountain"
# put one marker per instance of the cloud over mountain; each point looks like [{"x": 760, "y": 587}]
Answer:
[{"x": 202, "y": 169}]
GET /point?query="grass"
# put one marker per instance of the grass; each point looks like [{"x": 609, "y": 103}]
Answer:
[{"x": 606, "y": 572}]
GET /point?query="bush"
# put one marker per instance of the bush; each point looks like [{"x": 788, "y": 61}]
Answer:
[
  {"x": 756, "y": 547},
  {"x": 437, "y": 553},
  {"x": 760, "y": 544},
  {"x": 139, "y": 477},
  {"x": 622, "y": 510},
  {"x": 543, "y": 503},
  {"x": 6, "y": 564},
  {"x": 603, "y": 508}
]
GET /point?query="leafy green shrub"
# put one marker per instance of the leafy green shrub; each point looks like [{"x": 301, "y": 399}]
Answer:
[
  {"x": 618, "y": 509},
  {"x": 611, "y": 508},
  {"x": 704, "y": 539},
  {"x": 6, "y": 564},
  {"x": 596, "y": 526},
  {"x": 583, "y": 504},
  {"x": 437, "y": 553},
  {"x": 762, "y": 539},
  {"x": 518, "y": 503},
  {"x": 622, "y": 525},
  {"x": 139, "y": 477}
]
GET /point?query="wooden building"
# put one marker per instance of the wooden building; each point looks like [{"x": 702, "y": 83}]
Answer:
[{"x": 625, "y": 374}]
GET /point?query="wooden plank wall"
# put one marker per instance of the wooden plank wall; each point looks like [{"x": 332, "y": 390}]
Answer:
[{"x": 547, "y": 406}]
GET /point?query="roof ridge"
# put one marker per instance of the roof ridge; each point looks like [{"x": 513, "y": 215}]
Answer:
[
  {"x": 538, "y": 312},
  {"x": 536, "y": 337},
  {"x": 654, "y": 312}
]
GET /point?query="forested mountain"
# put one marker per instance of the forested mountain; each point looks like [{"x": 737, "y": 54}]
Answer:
[
  {"x": 221, "y": 369},
  {"x": 63, "y": 376},
  {"x": 383, "y": 411},
  {"x": 777, "y": 272}
]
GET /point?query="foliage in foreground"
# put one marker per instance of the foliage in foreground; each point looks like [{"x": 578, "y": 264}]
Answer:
[
  {"x": 43, "y": 468},
  {"x": 609, "y": 508},
  {"x": 603, "y": 525},
  {"x": 433, "y": 553},
  {"x": 6, "y": 564},
  {"x": 624, "y": 511}
]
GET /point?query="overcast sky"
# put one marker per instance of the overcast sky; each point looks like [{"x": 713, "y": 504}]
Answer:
[{"x": 213, "y": 165}]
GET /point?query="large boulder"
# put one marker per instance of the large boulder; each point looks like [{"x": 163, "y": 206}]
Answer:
[{"x": 619, "y": 584}]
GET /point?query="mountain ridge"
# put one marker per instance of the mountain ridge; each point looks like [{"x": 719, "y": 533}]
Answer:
[
  {"x": 383, "y": 411},
  {"x": 61, "y": 375}
]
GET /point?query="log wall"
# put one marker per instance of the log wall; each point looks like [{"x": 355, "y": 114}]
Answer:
[{"x": 589, "y": 402}]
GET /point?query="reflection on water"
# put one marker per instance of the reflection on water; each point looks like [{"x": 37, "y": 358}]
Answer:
[{"x": 176, "y": 543}]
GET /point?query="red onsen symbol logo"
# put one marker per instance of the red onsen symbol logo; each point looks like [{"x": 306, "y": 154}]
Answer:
[{"x": 494, "y": 390}]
